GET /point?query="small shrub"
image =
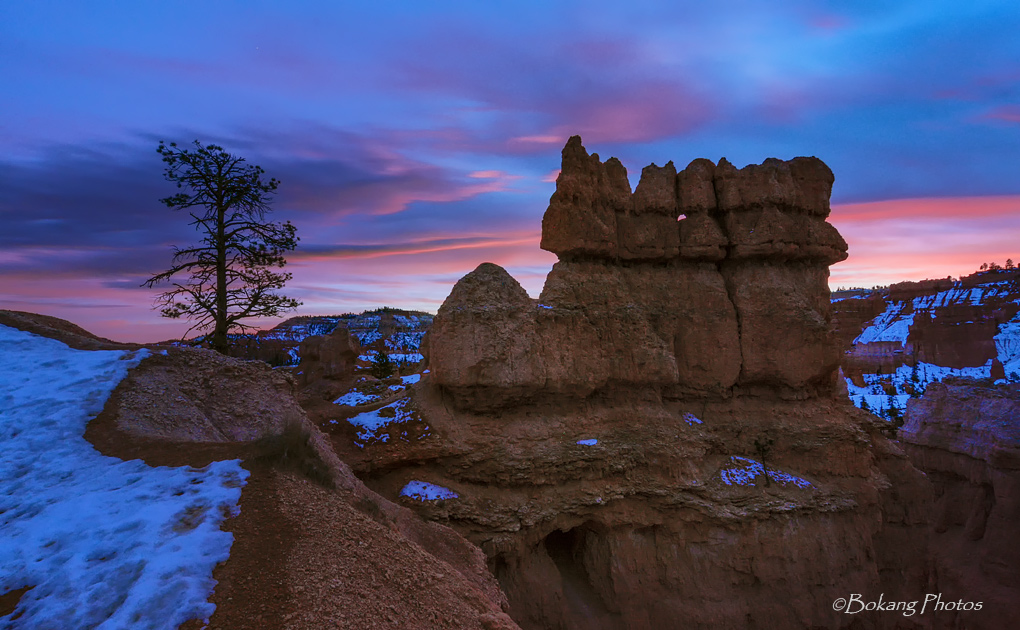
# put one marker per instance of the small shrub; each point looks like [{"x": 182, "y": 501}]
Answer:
[
  {"x": 763, "y": 446},
  {"x": 382, "y": 367},
  {"x": 293, "y": 449}
]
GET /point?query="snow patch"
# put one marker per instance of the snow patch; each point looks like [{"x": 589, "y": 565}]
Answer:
[
  {"x": 891, "y": 325},
  {"x": 691, "y": 419},
  {"x": 373, "y": 425},
  {"x": 905, "y": 382},
  {"x": 354, "y": 398},
  {"x": 424, "y": 491},
  {"x": 1007, "y": 346},
  {"x": 105, "y": 542},
  {"x": 746, "y": 474}
]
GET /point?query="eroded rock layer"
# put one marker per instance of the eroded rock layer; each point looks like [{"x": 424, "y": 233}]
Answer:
[
  {"x": 698, "y": 282},
  {"x": 656, "y": 441}
]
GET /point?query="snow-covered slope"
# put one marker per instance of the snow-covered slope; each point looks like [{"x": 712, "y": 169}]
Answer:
[
  {"x": 929, "y": 331},
  {"x": 104, "y": 543}
]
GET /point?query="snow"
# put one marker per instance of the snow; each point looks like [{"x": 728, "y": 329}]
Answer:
[
  {"x": 405, "y": 341},
  {"x": 367, "y": 337},
  {"x": 747, "y": 474},
  {"x": 1007, "y": 346},
  {"x": 894, "y": 324},
  {"x": 297, "y": 333},
  {"x": 413, "y": 321},
  {"x": 891, "y": 325},
  {"x": 849, "y": 297},
  {"x": 354, "y": 398},
  {"x": 410, "y": 357},
  {"x": 691, "y": 419},
  {"x": 105, "y": 543},
  {"x": 588, "y": 442},
  {"x": 372, "y": 424},
  {"x": 424, "y": 491},
  {"x": 903, "y": 380}
]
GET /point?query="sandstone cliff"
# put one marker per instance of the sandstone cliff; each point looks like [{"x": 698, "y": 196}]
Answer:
[
  {"x": 966, "y": 437},
  {"x": 658, "y": 440}
]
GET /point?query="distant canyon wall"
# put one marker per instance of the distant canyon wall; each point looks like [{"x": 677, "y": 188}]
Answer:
[{"x": 965, "y": 436}]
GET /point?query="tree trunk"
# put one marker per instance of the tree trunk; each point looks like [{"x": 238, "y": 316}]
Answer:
[{"x": 219, "y": 336}]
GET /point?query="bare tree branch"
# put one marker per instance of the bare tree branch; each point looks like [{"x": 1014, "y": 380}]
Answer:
[{"x": 230, "y": 280}]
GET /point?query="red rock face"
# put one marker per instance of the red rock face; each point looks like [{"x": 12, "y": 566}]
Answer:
[
  {"x": 966, "y": 437},
  {"x": 733, "y": 295},
  {"x": 331, "y": 357},
  {"x": 604, "y": 442}
]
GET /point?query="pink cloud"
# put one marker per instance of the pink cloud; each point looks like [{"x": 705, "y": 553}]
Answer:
[
  {"x": 828, "y": 22},
  {"x": 914, "y": 239},
  {"x": 1005, "y": 113},
  {"x": 546, "y": 139},
  {"x": 947, "y": 207},
  {"x": 434, "y": 244},
  {"x": 551, "y": 176}
]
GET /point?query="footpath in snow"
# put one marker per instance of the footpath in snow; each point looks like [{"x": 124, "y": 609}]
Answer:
[{"x": 105, "y": 543}]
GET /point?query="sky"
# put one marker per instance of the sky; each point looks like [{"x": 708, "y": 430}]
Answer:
[{"x": 416, "y": 140}]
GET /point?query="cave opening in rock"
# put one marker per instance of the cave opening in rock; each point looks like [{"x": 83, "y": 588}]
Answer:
[{"x": 572, "y": 552}]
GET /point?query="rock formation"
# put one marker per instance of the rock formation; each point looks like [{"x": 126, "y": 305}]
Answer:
[
  {"x": 731, "y": 295},
  {"x": 966, "y": 436},
  {"x": 657, "y": 441},
  {"x": 331, "y": 357}
]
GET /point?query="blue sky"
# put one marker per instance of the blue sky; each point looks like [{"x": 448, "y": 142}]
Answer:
[{"x": 416, "y": 140}]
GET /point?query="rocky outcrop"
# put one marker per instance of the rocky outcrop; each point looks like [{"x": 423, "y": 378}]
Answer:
[
  {"x": 171, "y": 396},
  {"x": 331, "y": 357},
  {"x": 62, "y": 330},
  {"x": 965, "y": 436},
  {"x": 732, "y": 295},
  {"x": 657, "y": 441}
]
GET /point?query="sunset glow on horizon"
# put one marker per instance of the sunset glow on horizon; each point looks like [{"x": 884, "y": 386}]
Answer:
[{"x": 414, "y": 143}]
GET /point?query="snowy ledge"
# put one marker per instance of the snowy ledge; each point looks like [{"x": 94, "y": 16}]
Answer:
[
  {"x": 747, "y": 474},
  {"x": 105, "y": 542}
]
